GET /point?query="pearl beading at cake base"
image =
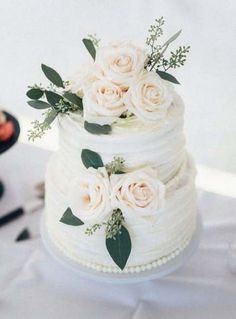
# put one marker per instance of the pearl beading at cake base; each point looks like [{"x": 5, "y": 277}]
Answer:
[{"x": 129, "y": 269}]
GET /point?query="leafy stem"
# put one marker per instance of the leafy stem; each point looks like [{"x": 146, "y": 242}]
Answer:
[{"x": 157, "y": 61}]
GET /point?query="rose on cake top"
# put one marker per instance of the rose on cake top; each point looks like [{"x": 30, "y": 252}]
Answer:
[{"x": 123, "y": 81}]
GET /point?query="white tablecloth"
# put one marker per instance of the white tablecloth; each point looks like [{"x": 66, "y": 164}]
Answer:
[{"x": 33, "y": 285}]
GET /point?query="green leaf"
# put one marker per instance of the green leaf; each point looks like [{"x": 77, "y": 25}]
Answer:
[
  {"x": 52, "y": 75},
  {"x": 40, "y": 105},
  {"x": 119, "y": 172},
  {"x": 51, "y": 116},
  {"x": 167, "y": 76},
  {"x": 90, "y": 47},
  {"x": 73, "y": 98},
  {"x": 119, "y": 248},
  {"x": 69, "y": 219},
  {"x": 52, "y": 97},
  {"x": 91, "y": 159},
  {"x": 173, "y": 38},
  {"x": 34, "y": 94},
  {"x": 96, "y": 128}
]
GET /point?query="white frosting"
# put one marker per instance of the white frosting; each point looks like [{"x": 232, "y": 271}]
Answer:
[{"x": 159, "y": 145}]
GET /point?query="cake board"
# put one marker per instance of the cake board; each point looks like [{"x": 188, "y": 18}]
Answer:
[{"x": 122, "y": 278}]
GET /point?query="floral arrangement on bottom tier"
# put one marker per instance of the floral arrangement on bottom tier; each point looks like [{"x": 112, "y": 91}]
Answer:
[{"x": 104, "y": 195}]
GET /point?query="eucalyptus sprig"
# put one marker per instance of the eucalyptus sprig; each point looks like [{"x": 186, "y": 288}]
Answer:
[
  {"x": 157, "y": 61},
  {"x": 55, "y": 97},
  {"x": 39, "y": 128},
  {"x": 116, "y": 166},
  {"x": 113, "y": 225},
  {"x": 94, "y": 39}
]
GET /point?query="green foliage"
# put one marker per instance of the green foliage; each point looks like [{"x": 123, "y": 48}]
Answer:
[
  {"x": 74, "y": 99},
  {"x": 91, "y": 230},
  {"x": 94, "y": 39},
  {"x": 90, "y": 47},
  {"x": 69, "y": 219},
  {"x": 39, "y": 105},
  {"x": 167, "y": 76},
  {"x": 61, "y": 101},
  {"x": 116, "y": 166},
  {"x": 91, "y": 159},
  {"x": 39, "y": 128},
  {"x": 154, "y": 32},
  {"x": 34, "y": 93},
  {"x": 52, "y": 76},
  {"x": 157, "y": 61},
  {"x": 177, "y": 58},
  {"x": 94, "y": 128},
  {"x": 119, "y": 247},
  {"x": 114, "y": 223},
  {"x": 52, "y": 97}
]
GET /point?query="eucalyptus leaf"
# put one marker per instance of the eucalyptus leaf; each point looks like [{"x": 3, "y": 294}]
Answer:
[
  {"x": 69, "y": 219},
  {"x": 34, "y": 94},
  {"x": 73, "y": 98},
  {"x": 96, "y": 128},
  {"x": 119, "y": 248},
  {"x": 167, "y": 76},
  {"x": 52, "y": 75},
  {"x": 51, "y": 116},
  {"x": 40, "y": 105},
  {"x": 91, "y": 159},
  {"x": 90, "y": 47},
  {"x": 52, "y": 97},
  {"x": 171, "y": 39}
]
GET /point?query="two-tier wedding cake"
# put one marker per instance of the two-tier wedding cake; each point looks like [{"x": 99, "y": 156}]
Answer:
[{"x": 120, "y": 194}]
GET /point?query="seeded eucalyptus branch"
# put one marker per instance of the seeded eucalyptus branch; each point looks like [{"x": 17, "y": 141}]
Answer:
[
  {"x": 55, "y": 98},
  {"x": 157, "y": 61},
  {"x": 91, "y": 230},
  {"x": 113, "y": 225},
  {"x": 116, "y": 166},
  {"x": 94, "y": 39},
  {"x": 39, "y": 128}
]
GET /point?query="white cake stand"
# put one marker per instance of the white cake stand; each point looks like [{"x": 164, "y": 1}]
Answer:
[{"x": 123, "y": 278}]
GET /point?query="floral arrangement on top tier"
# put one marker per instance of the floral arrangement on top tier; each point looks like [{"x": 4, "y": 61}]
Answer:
[{"x": 123, "y": 81}]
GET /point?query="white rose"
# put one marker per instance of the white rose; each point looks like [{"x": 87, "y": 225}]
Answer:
[
  {"x": 149, "y": 97},
  {"x": 87, "y": 74},
  {"x": 121, "y": 62},
  {"x": 138, "y": 193},
  {"x": 103, "y": 102},
  {"x": 89, "y": 198}
]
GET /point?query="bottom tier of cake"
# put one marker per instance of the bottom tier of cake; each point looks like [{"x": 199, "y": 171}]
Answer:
[{"x": 153, "y": 243}]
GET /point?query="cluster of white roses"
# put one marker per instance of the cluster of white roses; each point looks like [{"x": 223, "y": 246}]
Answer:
[
  {"x": 117, "y": 82},
  {"x": 95, "y": 194}
]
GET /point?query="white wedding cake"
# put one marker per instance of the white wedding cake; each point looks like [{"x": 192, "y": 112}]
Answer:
[{"x": 120, "y": 193}]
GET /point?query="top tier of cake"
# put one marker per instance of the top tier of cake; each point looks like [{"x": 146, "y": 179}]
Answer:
[{"x": 159, "y": 144}]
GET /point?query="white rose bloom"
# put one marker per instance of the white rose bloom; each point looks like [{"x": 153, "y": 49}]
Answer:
[
  {"x": 138, "y": 193},
  {"x": 89, "y": 198},
  {"x": 149, "y": 97},
  {"x": 81, "y": 80},
  {"x": 103, "y": 102},
  {"x": 121, "y": 62}
]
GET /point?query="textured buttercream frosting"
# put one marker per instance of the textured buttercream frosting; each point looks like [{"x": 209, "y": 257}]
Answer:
[{"x": 160, "y": 145}]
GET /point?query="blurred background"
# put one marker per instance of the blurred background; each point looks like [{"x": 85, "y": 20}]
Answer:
[{"x": 50, "y": 32}]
